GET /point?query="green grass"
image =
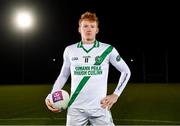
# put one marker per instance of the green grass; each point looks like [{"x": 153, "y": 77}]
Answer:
[{"x": 139, "y": 104}]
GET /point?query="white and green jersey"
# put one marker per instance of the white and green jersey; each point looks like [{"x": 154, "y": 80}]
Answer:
[{"x": 88, "y": 65}]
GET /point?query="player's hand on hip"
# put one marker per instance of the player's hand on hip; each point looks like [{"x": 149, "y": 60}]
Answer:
[
  {"x": 50, "y": 107},
  {"x": 109, "y": 101}
]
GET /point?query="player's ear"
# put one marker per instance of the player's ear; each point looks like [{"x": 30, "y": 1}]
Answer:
[
  {"x": 79, "y": 30},
  {"x": 97, "y": 30}
]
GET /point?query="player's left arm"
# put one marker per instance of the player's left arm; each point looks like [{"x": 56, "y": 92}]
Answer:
[{"x": 122, "y": 67}]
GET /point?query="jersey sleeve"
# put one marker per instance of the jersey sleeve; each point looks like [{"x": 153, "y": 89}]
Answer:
[
  {"x": 122, "y": 67},
  {"x": 64, "y": 74}
]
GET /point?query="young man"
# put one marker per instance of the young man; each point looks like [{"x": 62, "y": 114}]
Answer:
[{"x": 88, "y": 63}]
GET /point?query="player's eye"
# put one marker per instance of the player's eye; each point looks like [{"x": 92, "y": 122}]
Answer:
[
  {"x": 85, "y": 26},
  {"x": 92, "y": 26}
]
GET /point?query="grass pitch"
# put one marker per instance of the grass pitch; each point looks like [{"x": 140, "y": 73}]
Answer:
[{"x": 139, "y": 104}]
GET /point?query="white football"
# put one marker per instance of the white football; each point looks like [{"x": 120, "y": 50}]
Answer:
[{"x": 59, "y": 99}]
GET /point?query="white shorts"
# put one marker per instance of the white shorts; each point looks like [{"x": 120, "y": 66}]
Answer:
[{"x": 96, "y": 117}]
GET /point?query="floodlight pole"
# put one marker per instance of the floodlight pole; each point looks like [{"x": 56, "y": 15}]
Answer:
[
  {"x": 166, "y": 66},
  {"x": 24, "y": 22},
  {"x": 23, "y": 62},
  {"x": 143, "y": 66}
]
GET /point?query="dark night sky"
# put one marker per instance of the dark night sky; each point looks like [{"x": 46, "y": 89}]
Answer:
[{"x": 145, "y": 32}]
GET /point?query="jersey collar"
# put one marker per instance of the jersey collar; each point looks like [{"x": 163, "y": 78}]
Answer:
[{"x": 80, "y": 45}]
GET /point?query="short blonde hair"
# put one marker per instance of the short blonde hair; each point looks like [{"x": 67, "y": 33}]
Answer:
[{"x": 90, "y": 17}]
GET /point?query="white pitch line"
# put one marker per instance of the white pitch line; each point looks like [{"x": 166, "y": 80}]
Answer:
[
  {"x": 33, "y": 118},
  {"x": 146, "y": 120},
  {"x": 130, "y": 120}
]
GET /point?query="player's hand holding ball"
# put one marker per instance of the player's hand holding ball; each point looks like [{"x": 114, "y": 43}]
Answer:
[
  {"x": 57, "y": 101},
  {"x": 50, "y": 106}
]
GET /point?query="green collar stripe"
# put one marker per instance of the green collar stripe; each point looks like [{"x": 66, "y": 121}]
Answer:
[
  {"x": 86, "y": 78},
  {"x": 80, "y": 45},
  {"x": 97, "y": 43},
  {"x": 89, "y": 49}
]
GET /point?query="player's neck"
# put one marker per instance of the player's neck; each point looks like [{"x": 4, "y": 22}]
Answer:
[{"x": 85, "y": 41}]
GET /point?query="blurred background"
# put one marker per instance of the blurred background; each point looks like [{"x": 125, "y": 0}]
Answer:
[
  {"x": 34, "y": 34},
  {"x": 145, "y": 34}
]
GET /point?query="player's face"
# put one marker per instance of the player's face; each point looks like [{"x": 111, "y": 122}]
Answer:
[{"x": 88, "y": 30}]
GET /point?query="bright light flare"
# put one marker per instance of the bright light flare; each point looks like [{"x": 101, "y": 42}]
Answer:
[{"x": 24, "y": 20}]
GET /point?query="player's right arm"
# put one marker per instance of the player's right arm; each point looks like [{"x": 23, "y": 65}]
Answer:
[{"x": 61, "y": 80}]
